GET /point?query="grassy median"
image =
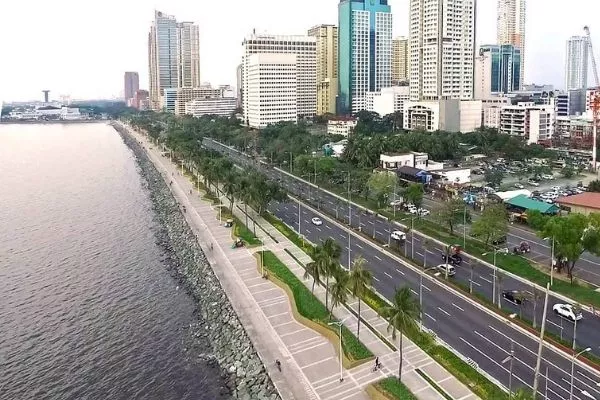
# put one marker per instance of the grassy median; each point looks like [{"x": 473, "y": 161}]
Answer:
[
  {"x": 311, "y": 308},
  {"x": 390, "y": 388}
]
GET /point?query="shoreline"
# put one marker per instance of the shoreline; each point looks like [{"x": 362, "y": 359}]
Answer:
[
  {"x": 219, "y": 325},
  {"x": 55, "y": 122}
]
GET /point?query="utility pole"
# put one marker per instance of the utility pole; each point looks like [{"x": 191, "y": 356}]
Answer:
[{"x": 536, "y": 375}]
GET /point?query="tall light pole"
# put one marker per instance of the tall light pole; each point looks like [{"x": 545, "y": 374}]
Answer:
[
  {"x": 349, "y": 219},
  {"x": 551, "y": 260},
  {"x": 510, "y": 358},
  {"x": 495, "y": 273},
  {"x": 573, "y": 368},
  {"x": 465, "y": 227},
  {"x": 536, "y": 374},
  {"x": 340, "y": 324}
]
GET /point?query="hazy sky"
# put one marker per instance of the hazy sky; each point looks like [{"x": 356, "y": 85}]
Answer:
[{"x": 82, "y": 48}]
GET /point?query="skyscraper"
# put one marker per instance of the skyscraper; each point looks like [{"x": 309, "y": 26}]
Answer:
[
  {"x": 511, "y": 28},
  {"x": 576, "y": 68},
  {"x": 327, "y": 66},
  {"x": 188, "y": 55},
  {"x": 442, "y": 49},
  {"x": 162, "y": 56},
  {"x": 131, "y": 85},
  {"x": 365, "y": 51},
  {"x": 497, "y": 70},
  {"x": 399, "y": 60},
  {"x": 305, "y": 49}
]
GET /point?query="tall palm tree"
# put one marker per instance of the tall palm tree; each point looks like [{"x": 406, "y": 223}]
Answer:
[
  {"x": 402, "y": 316},
  {"x": 312, "y": 270},
  {"x": 359, "y": 280},
  {"x": 331, "y": 252},
  {"x": 339, "y": 289}
]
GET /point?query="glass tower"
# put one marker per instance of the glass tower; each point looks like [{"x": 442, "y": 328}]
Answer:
[
  {"x": 506, "y": 67},
  {"x": 364, "y": 51}
]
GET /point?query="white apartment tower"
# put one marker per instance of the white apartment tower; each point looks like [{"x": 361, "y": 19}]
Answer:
[
  {"x": 304, "y": 48},
  {"x": 399, "y": 60},
  {"x": 271, "y": 89},
  {"x": 576, "y": 68},
  {"x": 442, "y": 49},
  {"x": 188, "y": 55},
  {"x": 162, "y": 56},
  {"x": 511, "y": 28}
]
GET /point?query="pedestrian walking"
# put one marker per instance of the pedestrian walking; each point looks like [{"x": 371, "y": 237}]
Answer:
[
  {"x": 211, "y": 247},
  {"x": 278, "y": 363}
]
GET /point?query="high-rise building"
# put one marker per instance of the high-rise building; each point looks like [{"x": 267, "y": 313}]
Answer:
[
  {"x": 442, "y": 49},
  {"x": 399, "y": 60},
  {"x": 239, "y": 88},
  {"x": 576, "y": 63},
  {"x": 365, "y": 51},
  {"x": 188, "y": 55},
  {"x": 327, "y": 65},
  {"x": 162, "y": 56},
  {"x": 304, "y": 47},
  {"x": 131, "y": 85},
  {"x": 497, "y": 70},
  {"x": 511, "y": 28},
  {"x": 271, "y": 82}
]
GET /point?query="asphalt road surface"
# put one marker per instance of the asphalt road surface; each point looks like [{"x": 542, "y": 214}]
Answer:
[{"x": 463, "y": 325}]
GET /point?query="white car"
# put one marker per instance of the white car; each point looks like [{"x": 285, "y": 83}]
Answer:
[
  {"x": 398, "y": 235},
  {"x": 533, "y": 183},
  {"x": 556, "y": 188},
  {"x": 396, "y": 203},
  {"x": 423, "y": 212},
  {"x": 446, "y": 268},
  {"x": 548, "y": 177},
  {"x": 413, "y": 210},
  {"x": 519, "y": 186},
  {"x": 317, "y": 221},
  {"x": 567, "y": 311}
]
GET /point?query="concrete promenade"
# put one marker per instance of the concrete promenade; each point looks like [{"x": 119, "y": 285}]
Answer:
[{"x": 310, "y": 366}]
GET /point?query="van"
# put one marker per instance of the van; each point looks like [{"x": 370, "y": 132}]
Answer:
[{"x": 449, "y": 268}]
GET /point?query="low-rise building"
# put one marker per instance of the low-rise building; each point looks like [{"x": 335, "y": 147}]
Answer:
[
  {"x": 584, "y": 203},
  {"x": 341, "y": 126},
  {"x": 393, "y": 161},
  {"x": 446, "y": 115},
  {"x": 458, "y": 176},
  {"x": 388, "y": 100},
  {"x": 221, "y": 106},
  {"x": 534, "y": 122},
  {"x": 175, "y": 99}
]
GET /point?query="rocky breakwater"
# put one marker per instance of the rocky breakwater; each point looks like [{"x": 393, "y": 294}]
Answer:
[{"x": 241, "y": 368}]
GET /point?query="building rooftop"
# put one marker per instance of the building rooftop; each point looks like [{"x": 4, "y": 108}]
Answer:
[
  {"x": 588, "y": 200},
  {"x": 525, "y": 202}
]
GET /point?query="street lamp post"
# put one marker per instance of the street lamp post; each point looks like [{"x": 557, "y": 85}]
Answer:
[
  {"x": 349, "y": 219},
  {"x": 538, "y": 362},
  {"x": 551, "y": 261},
  {"x": 495, "y": 278},
  {"x": 573, "y": 368},
  {"x": 510, "y": 358},
  {"x": 340, "y": 324}
]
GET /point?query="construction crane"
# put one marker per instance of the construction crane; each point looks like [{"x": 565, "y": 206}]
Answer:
[{"x": 594, "y": 97}]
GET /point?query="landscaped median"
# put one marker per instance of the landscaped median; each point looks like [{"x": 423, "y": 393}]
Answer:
[
  {"x": 309, "y": 311},
  {"x": 465, "y": 373},
  {"x": 389, "y": 388}
]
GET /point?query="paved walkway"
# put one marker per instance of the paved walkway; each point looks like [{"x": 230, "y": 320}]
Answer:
[{"x": 310, "y": 366}]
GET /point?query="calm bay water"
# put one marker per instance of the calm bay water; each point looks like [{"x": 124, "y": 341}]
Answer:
[{"x": 87, "y": 307}]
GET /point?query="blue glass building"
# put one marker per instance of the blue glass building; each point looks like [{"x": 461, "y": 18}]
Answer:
[
  {"x": 506, "y": 67},
  {"x": 364, "y": 51}
]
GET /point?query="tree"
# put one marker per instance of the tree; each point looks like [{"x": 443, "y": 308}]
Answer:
[
  {"x": 231, "y": 188},
  {"x": 328, "y": 255},
  {"x": 359, "y": 280},
  {"x": 492, "y": 225},
  {"x": 452, "y": 213},
  {"x": 381, "y": 184},
  {"x": 494, "y": 177},
  {"x": 568, "y": 172},
  {"x": 573, "y": 234},
  {"x": 594, "y": 186},
  {"x": 339, "y": 288},
  {"x": 312, "y": 269},
  {"x": 402, "y": 317},
  {"x": 414, "y": 194},
  {"x": 537, "y": 220}
]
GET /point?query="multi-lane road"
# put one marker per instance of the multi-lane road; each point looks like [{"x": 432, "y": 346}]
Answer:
[{"x": 464, "y": 325}]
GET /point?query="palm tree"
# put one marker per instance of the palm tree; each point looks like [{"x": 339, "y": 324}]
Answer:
[
  {"x": 312, "y": 270},
  {"x": 230, "y": 188},
  {"x": 402, "y": 317},
  {"x": 358, "y": 281},
  {"x": 339, "y": 289},
  {"x": 330, "y": 253}
]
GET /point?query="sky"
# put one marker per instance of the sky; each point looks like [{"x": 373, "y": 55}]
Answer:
[{"x": 81, "y": 48}]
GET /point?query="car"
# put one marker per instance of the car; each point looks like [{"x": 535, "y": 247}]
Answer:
[
  {"x": 567, "y": 311},
  {"x": 514, "y": 296},
  {"x": 423, "y": 212},
  {"x": 519, "y": 186},
  {"x": 446, "y": 269},
  {"x": 548, "y": 177},
  {"x": 556, "y": 188},
  {"x": 413, "y": 210},
  {"x": 396, "y": 203},
  {"x": 317, "y": 221},
  {"x": 549, "y": 201},
  {"x": 398, "y": 235},
  {"x": 533, "y": 183}
]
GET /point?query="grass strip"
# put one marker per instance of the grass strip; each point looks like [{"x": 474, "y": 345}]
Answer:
[
  {"x": 435, "y": 386},
  {"x": 240, "y": 230},
  {"x": 289, "y": 233},
  {"x": 392, "y": 389},
  {"x": 310, "y": 307}
]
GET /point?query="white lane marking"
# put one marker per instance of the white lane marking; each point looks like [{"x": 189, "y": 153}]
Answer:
[
  {"x": 419, "y": 254},
  {"x": 427, "y": 288},
  {"x": 306, "y": 230},
  {"x": 377, "y": 257},
  {"x": 485, "y": 279},
  {"x": 358, "y": 245},
  {"x": 388, "y": 275},
  {"x": 374, "y": 277},
  {"x": 319, "y": 229},
  {"x": 400, "y": 272},
  {"x": 328, "y": 227},
  {"x": 458, "y": 307},
  {"x": 370, "y": 222},
  {"x": 415, "y": 293},
  {"x": 444, "y": 311},
  {"x": 434, "y": 320}
]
